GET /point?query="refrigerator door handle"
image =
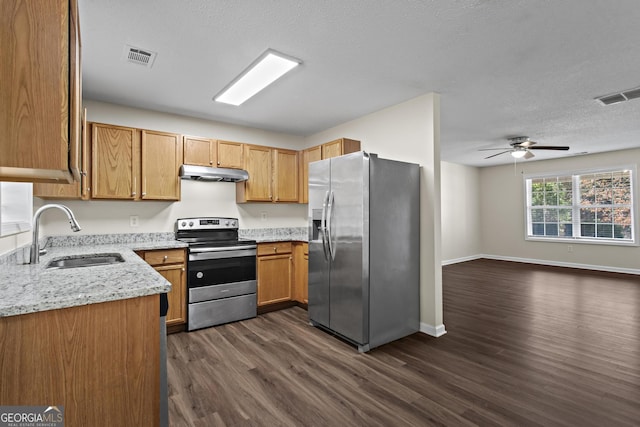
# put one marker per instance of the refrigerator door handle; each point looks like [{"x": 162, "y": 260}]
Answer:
[
  {"x": 323, "y": 225},
  {"x": 332, "y": 246}
]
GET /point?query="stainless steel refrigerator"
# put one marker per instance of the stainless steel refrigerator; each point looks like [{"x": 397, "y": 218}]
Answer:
[{"x": 364, "y": 248}]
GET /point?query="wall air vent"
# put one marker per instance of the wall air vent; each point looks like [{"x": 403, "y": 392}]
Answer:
[
  {"x": 139, "y": 56},
  {"x": 616, "y": 98}
]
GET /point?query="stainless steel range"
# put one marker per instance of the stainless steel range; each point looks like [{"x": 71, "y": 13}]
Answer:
[{"x": 221, "y": 271}]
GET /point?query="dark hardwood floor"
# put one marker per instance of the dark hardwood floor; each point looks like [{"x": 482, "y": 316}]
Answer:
[{"x": 526, "y": 345}]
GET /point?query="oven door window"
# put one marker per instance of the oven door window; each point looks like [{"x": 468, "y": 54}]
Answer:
[{"x": 219, "y": 271}]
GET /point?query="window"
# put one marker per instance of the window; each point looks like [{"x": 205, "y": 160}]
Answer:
[
  {"x": 15, "y": 207},
  {"x": 592, "y": 206}
]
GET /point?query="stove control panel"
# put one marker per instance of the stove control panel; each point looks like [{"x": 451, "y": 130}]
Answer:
[{"x": 207, "y": 223}]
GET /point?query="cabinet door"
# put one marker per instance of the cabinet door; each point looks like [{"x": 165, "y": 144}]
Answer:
[
  {"x": 230, "y": 154},
  {"x": 274, "y": 279},
  {"x": 285, "y": 176},
  {"x": 114, "y": 174},
  {"x": 339, "y": 147},
  {"x": 309, "y": 155},
  {"x": 258, "y": 164},
  {"x": 175, "y": 274},
  {"x": 200, "y": 151},
  {"x": 78, "y": 189},
  {"x": 40, "y": 91},
  {"x": 161, "y": 160}
]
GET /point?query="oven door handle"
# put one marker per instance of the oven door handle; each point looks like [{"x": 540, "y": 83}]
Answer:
[
  {"x": 221, "y": 249},
  {"x": 203, "y": 256}
]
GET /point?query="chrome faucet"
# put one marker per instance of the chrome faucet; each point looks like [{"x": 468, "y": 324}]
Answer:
[{"x": 35, "y": 246}]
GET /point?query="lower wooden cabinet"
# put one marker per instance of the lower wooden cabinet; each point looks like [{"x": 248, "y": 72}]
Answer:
[
  {"x": 171, "y": 263},
  {"x": 100, "y": 361},
  {"x": 274, "y": 272},
  {"x": 300, "y": 287}
]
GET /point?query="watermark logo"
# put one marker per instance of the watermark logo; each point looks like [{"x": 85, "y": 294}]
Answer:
[{"x": 31, "y": 416}]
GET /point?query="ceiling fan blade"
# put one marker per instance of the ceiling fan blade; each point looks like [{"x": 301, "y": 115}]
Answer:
[
  {"x": 527, "y": 143},
  {"x": 550, "y": 147},
  {"x": 494, "y": 149},
  {"x": 528, "y": 155},
  {"x": 493, "y": 155}
]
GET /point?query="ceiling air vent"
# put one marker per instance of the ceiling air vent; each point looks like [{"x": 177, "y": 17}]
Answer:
[
  {"x": 139, "y": 56},
  {"x": 616, "y": 98}
]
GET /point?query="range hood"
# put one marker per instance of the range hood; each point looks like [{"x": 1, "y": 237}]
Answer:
[{"x": 206, "y": 173}]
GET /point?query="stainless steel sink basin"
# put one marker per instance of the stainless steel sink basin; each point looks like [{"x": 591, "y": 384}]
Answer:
[{"x": 85, "y": 261}]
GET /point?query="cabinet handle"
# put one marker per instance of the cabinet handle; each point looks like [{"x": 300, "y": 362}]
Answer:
[
  {"x": 275, "y": 249},
  {"x": 218, "y": 163},
  {"x": 144, "y": 186},
  {"x": 166, "y": 257},
  {"x": 183, "y": 270},
  {"x": 211, "y": 162},
  {"x": 133, "y": 190}
]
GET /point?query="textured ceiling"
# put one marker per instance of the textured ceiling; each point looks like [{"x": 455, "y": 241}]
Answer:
[{"x": 503, "y": 67}]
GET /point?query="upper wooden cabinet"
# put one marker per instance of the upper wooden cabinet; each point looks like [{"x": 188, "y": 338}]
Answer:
[
  {"x": 285, "y": 175},
  {"x": 273, "y": 175},
  {"x": 210, "y": 152},
  {"x": 230, "y": 154},
  {"x": 339, "y": 147},
  {"x": 330, "y": 149},
  {"x": 134, "y": 164},
  {"x": 200, "y": 151},
  {"x": 115, "y": 162},
  {"x": 161, "y": 159},
  {"x": 40, "y": 103},
  {"x": 307, "y": 156},
  {"x": 76, "y": 190}
]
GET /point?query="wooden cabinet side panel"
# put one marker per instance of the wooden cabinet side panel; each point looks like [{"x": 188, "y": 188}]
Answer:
[
  {"x": 161, "y": 160},
  {"x": 286, "y": 175},
  {"x": 100, "y": 361},
  {"x": 274, "y": 279},
  {"x": 113, "y": 151},
  {"x": 230, "y": 154},
  {"x": 34, "y": 41},
  {"x": 75, "y": 190}
]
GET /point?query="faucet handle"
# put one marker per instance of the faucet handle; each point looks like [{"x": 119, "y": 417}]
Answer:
[{"x": 42, "y": 251}]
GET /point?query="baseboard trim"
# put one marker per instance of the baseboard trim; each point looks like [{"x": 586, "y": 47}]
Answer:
[
  {"x": 564, "y": 264},
  {"x": 434, "y": 331},
  {"x": 463, "y": 259}
]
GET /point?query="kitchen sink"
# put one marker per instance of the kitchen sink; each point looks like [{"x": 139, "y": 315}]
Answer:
[{"x": 85, "y": 261}]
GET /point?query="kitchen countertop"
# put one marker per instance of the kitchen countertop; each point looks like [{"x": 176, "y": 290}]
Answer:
[{"x": 27, "y": 288}]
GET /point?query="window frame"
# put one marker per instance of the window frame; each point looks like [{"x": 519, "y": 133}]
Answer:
[{"x": 575, "y": 207}]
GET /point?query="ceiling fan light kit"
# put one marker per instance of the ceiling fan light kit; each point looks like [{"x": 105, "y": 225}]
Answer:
[{"x": 520, "y": 146}]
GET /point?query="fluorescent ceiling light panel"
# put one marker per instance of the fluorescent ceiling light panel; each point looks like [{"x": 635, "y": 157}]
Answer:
[{"x": 269, "y": 67}]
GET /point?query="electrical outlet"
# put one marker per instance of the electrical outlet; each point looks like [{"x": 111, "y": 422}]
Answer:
[
  {"x": 569, "y": 248},
  {"x": 133, "y": 220},
  {"x": 263, "y": 216}
]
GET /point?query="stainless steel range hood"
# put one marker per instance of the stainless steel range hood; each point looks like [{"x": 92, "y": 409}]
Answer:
[{"x": 206, "y": 173}]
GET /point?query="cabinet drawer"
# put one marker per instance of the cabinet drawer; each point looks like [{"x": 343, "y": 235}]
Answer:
[
  {"x": 274, "y": 248},
  {"x": 162, "y": 257}
]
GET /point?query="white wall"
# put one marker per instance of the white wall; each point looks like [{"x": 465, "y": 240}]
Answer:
[
  {"x": 410, "y": 132},
  {"x": 503, "y": 220},
  {"x": 460, "y": 187},
  {"x": 198, "y": 198}
]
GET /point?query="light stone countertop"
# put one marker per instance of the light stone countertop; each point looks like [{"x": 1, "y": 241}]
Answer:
[{"x": 27, "y": 288}]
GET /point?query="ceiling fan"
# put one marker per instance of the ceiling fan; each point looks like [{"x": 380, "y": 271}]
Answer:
[{"x": 520, "y": 146}]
